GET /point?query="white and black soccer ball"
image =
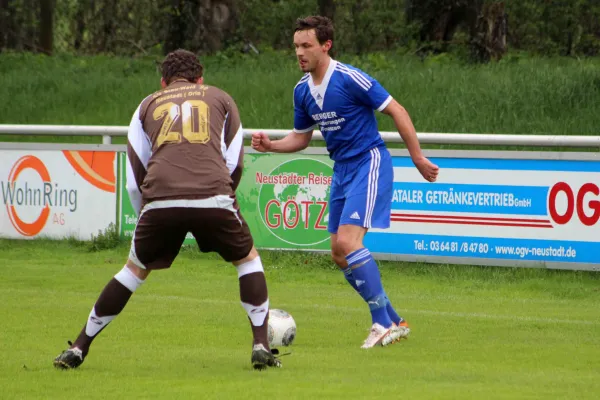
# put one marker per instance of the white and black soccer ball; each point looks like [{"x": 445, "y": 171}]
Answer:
[{"x": 282, "y": 328}]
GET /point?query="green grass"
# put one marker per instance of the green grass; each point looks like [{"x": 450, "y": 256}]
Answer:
[
  {"x": 519, "y": 95},
  {"x": 493, "y": 333}
]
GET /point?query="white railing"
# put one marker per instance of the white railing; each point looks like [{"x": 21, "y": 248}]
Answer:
[{"x": 108, "y": 132}]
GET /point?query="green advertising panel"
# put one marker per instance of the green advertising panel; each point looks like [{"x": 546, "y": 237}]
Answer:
[
  {"x": 126, "y": 216},
  {"x": 283, "y": 198}
]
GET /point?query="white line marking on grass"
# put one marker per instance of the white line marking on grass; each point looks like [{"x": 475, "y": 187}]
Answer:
[{"x": 522, "y": 318}]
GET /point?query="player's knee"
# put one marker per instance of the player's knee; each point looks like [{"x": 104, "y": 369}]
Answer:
[
  {"x": 249, "y": 266},
  {"x": 338, "y": 257},
  {"x": 140, "y": 273},
  {"x": 346, "y": 244},
  {"x": 251, "y": 256}
]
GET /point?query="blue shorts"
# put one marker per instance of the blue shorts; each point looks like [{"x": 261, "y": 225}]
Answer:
[{"x": 361, "y": 191}]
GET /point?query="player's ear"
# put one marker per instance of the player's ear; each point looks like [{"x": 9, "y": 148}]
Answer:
[
  {"x": 200, "y": 81},
  {"x": 327, "y": 45},
  {"x": 163, "y": 84}
]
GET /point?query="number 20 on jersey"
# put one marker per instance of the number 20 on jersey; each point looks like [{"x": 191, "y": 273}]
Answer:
[{"x": 195, "y": 122}]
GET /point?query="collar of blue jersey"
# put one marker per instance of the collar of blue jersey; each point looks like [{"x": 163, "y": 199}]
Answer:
[{"x": 318, "y": 92}]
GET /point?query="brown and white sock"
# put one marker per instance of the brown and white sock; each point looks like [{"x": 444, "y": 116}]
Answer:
[
  {"x": 111, "y": 302},
  {"x": 255, "y": 298}
]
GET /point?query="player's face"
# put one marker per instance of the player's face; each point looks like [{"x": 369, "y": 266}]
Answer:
[{"x": 309, "y": 51}]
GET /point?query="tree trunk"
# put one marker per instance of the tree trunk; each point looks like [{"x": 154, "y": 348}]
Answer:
[
  {"x": 11, "y": 26},
  {"x": 79, "y": 26},
  {"x": 489, "y": 41},
  {"x": 409, "y": 11},
  {"x": 108, "y": 25},
  {"x": 485, "y": 23},
  {"x": 176, "y": 26},
  {"x": 46, "y": 29},
  {"x": 30, "y": 34},
  {"x": 356, "y": 11},
  {"x": 3, "y": 23},
  {"x": 216, "y": 23},
  {"x": 327, "y": 9}
]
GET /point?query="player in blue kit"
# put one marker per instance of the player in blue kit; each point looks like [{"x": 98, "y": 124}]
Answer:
[{"x": 341, "y": 100}]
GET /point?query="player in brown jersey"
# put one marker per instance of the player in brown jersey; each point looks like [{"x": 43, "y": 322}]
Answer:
[{"x": 184, "y": 163}]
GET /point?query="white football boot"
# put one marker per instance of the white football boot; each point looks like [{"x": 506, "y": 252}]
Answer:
[
  {"x": 397, "y": 332},
  {"x": 377, "y": 336}
]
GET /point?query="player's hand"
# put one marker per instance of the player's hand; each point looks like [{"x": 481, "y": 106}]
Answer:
[
  {"x": 261, "y": 142},
  {"x": 428, "y": 170}
]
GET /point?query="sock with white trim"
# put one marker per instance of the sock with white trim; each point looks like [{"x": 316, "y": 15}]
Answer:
[
  {"x": 111, "y": 302},
  {"x": 396, "y": 319},
  {"x": 255, "y": 298},
  {"x": 368, "y": 280}
]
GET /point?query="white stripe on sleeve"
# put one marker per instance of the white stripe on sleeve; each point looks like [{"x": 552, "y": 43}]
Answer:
[
  {"x": 232, "y": 155},
  {"x": 385, "y": 104},
  {"x": 140, "y": 144}
]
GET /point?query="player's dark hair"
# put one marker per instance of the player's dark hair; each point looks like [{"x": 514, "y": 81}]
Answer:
[
  {"x": 323, "y": 27},
  {"x": 181, "y": 64}
]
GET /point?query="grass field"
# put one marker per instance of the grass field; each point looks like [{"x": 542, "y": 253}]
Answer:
[
  {"x": 519, "y": 95},
  {"x": 493, "y": 333}
]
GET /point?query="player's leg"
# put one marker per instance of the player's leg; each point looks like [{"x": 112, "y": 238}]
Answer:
[
  {"x": 225, "y": 232},
  {"x": 339, "y": 258},
  {"x": 336, "y": 207},
  {"x": 368, "y": 203},
  {"x": 254, "y": 295},
  {"x": 255, "y": 300},
  {"x": 111, "y": 302},
  {"x": 154, "y": 246},
  {"x": 368, "y": 281},
  {"x": 379, "y": 217}
]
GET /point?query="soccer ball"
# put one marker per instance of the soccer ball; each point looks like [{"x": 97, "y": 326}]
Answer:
[{"x": 282, "y": 328}]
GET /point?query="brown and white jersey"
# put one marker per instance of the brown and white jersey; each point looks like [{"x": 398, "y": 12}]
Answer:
[{"x": 184, "y": 142}]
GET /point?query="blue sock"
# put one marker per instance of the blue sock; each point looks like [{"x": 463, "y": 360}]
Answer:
[
  {"x": 368, "y": 281},
  {"x": 391, "y": 312},
  {"x": 396, "y": 319},
  {"x": 348, "y": 275},
  {"x": 388, "y": 305}
]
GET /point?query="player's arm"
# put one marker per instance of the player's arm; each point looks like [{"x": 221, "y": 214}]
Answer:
[
  {"x": 368, "y": 91},
  {"x": 139, "y": 151},
  {"x": 405, "y": 127},
  {"x": 293, "y": 142},
  {"x": 296, "y": 140},
  {"x": 234, "y": 144}
]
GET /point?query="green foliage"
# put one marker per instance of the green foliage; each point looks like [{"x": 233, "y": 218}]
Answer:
[
  {"x": 565, "y": 27},
  {"x": 144, "y": 27},
  {"x": 272, "y": 23},
  {"x": 520, "y": 94},
  {"x": 105, "y": 240}
]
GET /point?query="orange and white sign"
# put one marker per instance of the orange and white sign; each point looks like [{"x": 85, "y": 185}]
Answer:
[{"x": 56, "y": 194}]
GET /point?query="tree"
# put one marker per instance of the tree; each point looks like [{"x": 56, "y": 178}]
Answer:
[
  {"x": 489, "y": 40},
  {"x": 484, "y": 22},
  {"x": 176, "y": 25},
  {"x": 216, "y": 24},
  {"x": 3, "y": 23},
  {"x": 327, "y": 9},
  {"x": 46, "y": 28},
  {"x": 79, "y": 25}
]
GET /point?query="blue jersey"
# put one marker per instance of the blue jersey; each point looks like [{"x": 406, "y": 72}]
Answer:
[{"x": 343, "y": 108}]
